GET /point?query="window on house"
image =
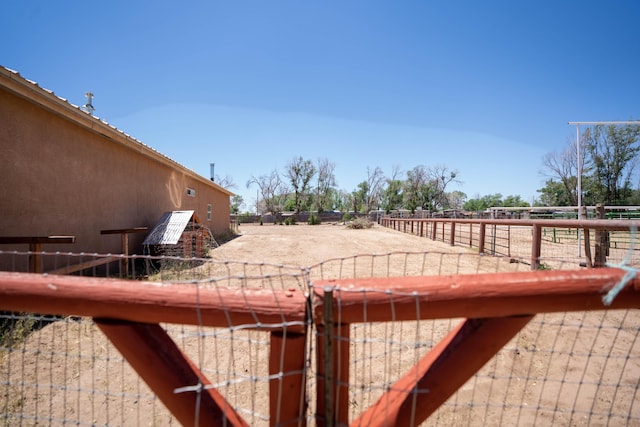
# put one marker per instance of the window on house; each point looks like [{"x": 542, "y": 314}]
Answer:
[
  {"x": 209, "y": 209},
  {"x": 191, "y": 192}
]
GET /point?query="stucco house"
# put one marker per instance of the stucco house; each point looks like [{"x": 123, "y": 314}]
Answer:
[{"x": 66, "y": 172}]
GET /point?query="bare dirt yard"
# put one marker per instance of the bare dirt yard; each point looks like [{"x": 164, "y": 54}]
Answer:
[
  {"x": 305, "y": 245},
  {"x": 562, "y": 369},
  {"x": 334, "y": 251}
]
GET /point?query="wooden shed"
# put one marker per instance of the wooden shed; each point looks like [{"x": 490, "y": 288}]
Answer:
[{"x": 179, "y": 233}]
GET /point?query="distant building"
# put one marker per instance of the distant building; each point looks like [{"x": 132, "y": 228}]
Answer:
[{"x": 66, "y": 172}]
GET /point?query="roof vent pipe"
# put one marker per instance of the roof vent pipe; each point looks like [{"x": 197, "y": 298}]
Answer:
[
  {"x": 88, "y": 107},
  {"x": 213, "y": 176}
]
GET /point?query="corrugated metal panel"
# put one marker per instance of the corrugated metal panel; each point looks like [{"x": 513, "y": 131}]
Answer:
[{"x": 169, "y": 228}]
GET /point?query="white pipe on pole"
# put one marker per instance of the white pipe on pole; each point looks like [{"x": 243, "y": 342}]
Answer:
[{"x": 579, "y": 177}]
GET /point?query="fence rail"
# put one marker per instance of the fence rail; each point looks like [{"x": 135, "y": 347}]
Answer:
[
  {"x": 591, "y": 242},
  {"x": 332, "y": 351}
]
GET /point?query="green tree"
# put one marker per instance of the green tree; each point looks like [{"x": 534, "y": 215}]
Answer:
[
  {"x": 555, "y": 193},
  {"x": 609, "y": 154},
  {"x": 359, "y": 197},
  {"x": 300, "y": 172},
  {"x": 427, "y": 188},
  {"x": 483, "y": 203},
  {"x": 515, "y": 201},
  {"x": 270, "y": 187},
  {"x": 237, "y": 202},
  {"x": 374, "y": 188},
  {"x": 325, "y": 185},
  {"x": 562, "y": 167},
  {"x": 414, "y": 188},
  {"x": 340, "y": 200},
  {"x": 456, "y": 199},
  {"x": 438, "y": 178},
  {"x": 613, "y": 152},
  {"x": 391, "y": 197}
]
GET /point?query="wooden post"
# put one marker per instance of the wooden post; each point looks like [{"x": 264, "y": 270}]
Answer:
[
  {"x": 35, "y": 247},
  {"x": 339, "y": 387},
  {"x": 332, "y": 366},
  {"x": 35, "y": 258},
  {"x": 602, "y": 241},
  {"x": 587, "y": 247},
  {"x": 470, "y": 235},
  {"x": 536, "y": 242},
  {"x": 124, "y": 243},
  {"x": 287, "y": 387},
  {"x": 452, "y": 238},
  {"x": 481, "y": 237}
]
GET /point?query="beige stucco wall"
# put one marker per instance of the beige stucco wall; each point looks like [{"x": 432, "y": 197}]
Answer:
[{"x": 62, "y": 176}]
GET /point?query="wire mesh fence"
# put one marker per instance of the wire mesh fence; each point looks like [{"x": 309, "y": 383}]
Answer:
[
  {"x": 561, "y": 369},
  {"x": 62, "y": 370},
  {"x": 238, "y": 341},
  {"x": 566, "y": 243}
]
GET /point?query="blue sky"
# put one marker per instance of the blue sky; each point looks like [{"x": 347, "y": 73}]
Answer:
[{"x": 485, "y": 88}]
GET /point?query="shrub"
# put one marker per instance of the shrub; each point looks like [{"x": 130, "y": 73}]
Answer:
[
  {"x": 346, "y": 217},
  {"x": 16, "y": 327},
  {"x": 290, "y": 220},
  {"x": 223, "y": 237},
  {"x": 314, "y": 219},
  {"x": 360, "y": 223}
]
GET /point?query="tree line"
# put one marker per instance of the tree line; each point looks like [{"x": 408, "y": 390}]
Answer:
[
  {"x": 608, "y": 156},
  {"x": 305, "y": 185}
]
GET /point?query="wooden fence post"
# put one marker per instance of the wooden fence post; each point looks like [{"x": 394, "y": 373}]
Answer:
[
  {"x": 287, "y": 402},
  {"x": 470, "y": 235},
  {"x": 602, "y": 241},
  {"x": 452, "y": 237},
  {"x": 332, "y": 367},
  {"x": 481, "y": 237},
  {"x": 536, "y": 242}
]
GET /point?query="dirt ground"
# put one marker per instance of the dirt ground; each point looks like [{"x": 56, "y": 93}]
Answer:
[
  {"x": 304, "y": 245},
  {"x": 333, "y": 251},
  {"x": 68, "y": 373}
]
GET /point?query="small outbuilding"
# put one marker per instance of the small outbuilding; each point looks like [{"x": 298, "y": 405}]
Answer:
[{"x": 179, "y": 233}]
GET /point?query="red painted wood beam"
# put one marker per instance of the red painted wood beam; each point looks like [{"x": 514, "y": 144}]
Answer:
[
  {"x": 163, "y": 366},
  {"x": 441, "y": 372},
  {"x": 287, "y": 392},
  {"x": 151, "y": 302},
  {"x": 475, "y": 295}
]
